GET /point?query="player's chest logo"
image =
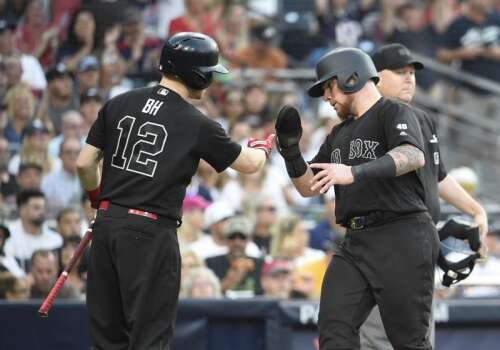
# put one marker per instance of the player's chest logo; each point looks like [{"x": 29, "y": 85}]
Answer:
[{"x": 363, "y": 149}]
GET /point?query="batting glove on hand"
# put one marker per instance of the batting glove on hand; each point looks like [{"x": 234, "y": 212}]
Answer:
[
  {"x": 288, "y": 132},
  {"x": 265, "y": 145}
]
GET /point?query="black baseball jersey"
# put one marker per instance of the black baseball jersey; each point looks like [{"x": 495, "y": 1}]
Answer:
[
  {"x": 434, "y": 171},
  {"x": 387, "y": 124},
  {"x": 152, "y": 141}
]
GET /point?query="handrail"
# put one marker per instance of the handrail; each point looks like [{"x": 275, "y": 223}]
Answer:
[{"x": 458, "y": 74}]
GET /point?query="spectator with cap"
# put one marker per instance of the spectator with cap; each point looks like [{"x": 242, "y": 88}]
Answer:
[
  {"x": 59, "y": 96},
  {"x": 62, "y": 187},
  {"x": 29, "y": 177},
  {"x": 276, "y": 279},
  {"x": 193, "y": 208},
  {"x": 20, "y": 104},
  {"x": 261, "y": 53},
  {"x": 30, "y": 232},
  {"x": 237, "y": 271},
  {"x": 90, "y": 104},
  {"x": 81, "y": 40},
  {"x": 213, "y": 243},
  {"x": 33, "y": 74},
  {"x": 7, "y": 262},
  {"x": 34, "y": 149},
  {"x": 87, "y": 76},
  {"x": 71, "y": 127}
]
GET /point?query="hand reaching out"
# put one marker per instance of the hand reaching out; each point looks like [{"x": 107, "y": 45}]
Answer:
[{"x": 330, "y": 174}]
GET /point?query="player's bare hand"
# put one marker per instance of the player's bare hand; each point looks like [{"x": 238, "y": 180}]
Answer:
[
  {"x": 330, "y": 174},
  {"x": 481, "y": 221}
]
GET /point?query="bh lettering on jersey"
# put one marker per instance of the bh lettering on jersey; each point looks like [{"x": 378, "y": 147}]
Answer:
[
  {"x": 152, "y": 106},
  {"x": 363, "y": 149}
]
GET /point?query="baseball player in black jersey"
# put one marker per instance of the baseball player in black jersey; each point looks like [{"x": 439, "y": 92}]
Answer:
[
  {"x": 396, "y": 68},
  {"x": 372, "y": 158},
  {"x": 150, "y": 141}
]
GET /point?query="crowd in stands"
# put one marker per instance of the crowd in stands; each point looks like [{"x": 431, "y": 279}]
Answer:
[{"x": 242, "y": 235}]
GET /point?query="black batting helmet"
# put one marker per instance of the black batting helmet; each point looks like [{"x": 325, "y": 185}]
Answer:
[
  {"x": 350, "y": 66},
  {"x": 193, "y": 57}
]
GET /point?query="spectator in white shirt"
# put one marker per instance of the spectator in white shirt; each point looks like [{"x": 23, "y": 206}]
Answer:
[
  {"x": 29, "y": 233},
  {"x": 62, "y": 187}
]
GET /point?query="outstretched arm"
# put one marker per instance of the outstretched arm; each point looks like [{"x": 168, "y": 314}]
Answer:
[
  {"x": 398, "y": 161},
  {"x": 451, "y": 191}
]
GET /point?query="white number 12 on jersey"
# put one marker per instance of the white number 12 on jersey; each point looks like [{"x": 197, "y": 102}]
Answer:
[{"x": 139, "y": 157}]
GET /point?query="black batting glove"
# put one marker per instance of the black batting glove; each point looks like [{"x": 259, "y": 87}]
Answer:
[{"x": 288, "y": 132}]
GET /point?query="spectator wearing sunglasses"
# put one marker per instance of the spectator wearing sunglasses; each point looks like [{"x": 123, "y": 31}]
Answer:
[{"x": 239, "y": 274}]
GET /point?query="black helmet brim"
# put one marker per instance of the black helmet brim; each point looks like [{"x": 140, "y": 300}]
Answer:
[{"x": 316, "y": 89}]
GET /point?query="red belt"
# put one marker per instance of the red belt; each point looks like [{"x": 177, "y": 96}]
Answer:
[{"x": 105, "y": 204}]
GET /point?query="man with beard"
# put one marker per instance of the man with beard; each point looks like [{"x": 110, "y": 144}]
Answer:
[
  {"x": 391, "y": 245},
  {"x": 28, "y": 233}
]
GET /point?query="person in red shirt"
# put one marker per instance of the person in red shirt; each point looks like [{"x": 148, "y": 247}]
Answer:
[{"x": 198, "y": 18}]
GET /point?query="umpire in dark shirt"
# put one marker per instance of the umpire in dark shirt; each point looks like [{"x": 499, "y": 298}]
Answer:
[
  {"x": 150, "y": 141},
  {"x": 372, "y": 158},
  {"x": 396, "y": 67}
]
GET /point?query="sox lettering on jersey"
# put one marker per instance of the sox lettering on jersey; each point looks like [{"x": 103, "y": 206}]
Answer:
[
  {"x": 362, "y": 149},
  {"x": 357, "y": 149}
]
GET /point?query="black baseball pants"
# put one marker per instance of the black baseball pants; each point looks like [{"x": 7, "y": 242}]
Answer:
[
  {"x": 133, "y": 281},
  {"x": 391, "y": 265}
]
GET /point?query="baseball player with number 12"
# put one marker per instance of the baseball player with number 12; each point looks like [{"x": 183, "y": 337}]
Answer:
[
  {"x": 150, "y": 140},
  {"x": 391, "y": 246}
]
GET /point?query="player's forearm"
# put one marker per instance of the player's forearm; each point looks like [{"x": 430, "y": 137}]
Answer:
[
  {"x": 89, "y": 177},
  {"x": 407, "y": 158},
  {"x": 303, "y": 184},
  {"x": 87, "y": 167},
  {"x": 249, "y": 161},
  {"x": 451, "y": 192}
]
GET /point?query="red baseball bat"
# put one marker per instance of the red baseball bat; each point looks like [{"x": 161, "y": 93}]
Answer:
[{"x": 49, "y": 300}]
